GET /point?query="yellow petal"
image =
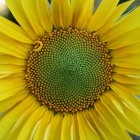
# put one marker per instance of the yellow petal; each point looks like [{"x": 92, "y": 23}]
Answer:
[
  {"x": 126, "y": 71},
  {"x": 129, "y": 62},
  {"x": 75, "y": 128},
  {"x": 134, "y": 117},
  {"x": 13, "y": 31},
  {"x": 126, "y": 80},
  {"x": 128, "y": 23},
  {"x": 86, "y": 131},
  {"x": 6, "y": 59},
  {"x": 131, "y": 115},
  {"x": 81, "y": 12},
  {"x": 126, "y": 39},
  {"x": 95, "y": 120},
  {"x": 18, "y": 12},
  {"x": 119, "y": 10},
  {"x": 124, "y": 120},
  {"x": 30, "y": 9},
  {"x": 111, "y": 122},
  {"x": 12, "y": 47},
  {"x": 40, "y": 132},
  {"x": 102, "y": 14},
  {"x": 77, "y": 8},
  {"x": 66, "y": 127},
  {"x": 60, "y": 17},
  {"x": 9, "y": 102},
  {"x": 127, "y": 95},
  {"x": 136, "y": 89},
  {"x": 11, "y": 86},
  {"x": 44, "y": 14},
  {"x": 126, "y": 51},
  {"x": 27, "y": 130},
  {"x": 65, "y": 17},
  {"x": 11, "y": 69},
  {"x": 86, "y": 14},
  {"x": 6, "y": 74},
  {"x": 55, "y": 13},
  {"x": 53, "y": 133},
  {"x": 14, "y": 132},
  {"x": 9, "y": 119}
]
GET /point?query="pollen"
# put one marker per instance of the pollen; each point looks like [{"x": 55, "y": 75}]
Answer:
[{"x": 68, "y": 70}]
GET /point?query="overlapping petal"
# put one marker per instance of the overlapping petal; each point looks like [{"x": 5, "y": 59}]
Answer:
[
  {"x": 60, "y": 17},
  {"x": 126, "y": 24},
  {"x": 9, "y": 119},
  {"x": 102, "y": 14},
  {"x": 81, "y": 12},
  {"x": 14, "y": 31}
]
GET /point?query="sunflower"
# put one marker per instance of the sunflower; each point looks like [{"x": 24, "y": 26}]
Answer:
[{"x": 68, "y": 73}]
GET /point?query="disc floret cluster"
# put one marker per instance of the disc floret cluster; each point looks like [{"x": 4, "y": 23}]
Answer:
[{"x": 68, "y": 70}]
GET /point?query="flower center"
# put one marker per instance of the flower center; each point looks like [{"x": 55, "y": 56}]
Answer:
[{"x": 69, "y": 70}]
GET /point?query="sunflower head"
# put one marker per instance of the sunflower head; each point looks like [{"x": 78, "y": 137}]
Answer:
[{"x": 69, "y": 72}]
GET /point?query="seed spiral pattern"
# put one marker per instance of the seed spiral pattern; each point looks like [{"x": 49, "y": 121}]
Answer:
[{"x": 68, "y": 70}]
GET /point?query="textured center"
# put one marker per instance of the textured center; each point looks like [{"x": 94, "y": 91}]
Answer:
[{"x": 70, "y": 70}]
